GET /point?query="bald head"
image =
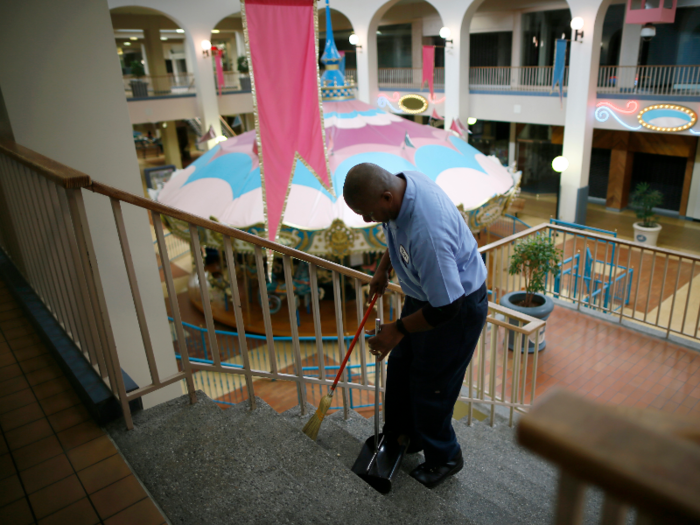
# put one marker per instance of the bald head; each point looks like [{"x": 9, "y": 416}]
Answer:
[
  {"x": 373, "y": 192},
  {"x": 366, "y": 182}
]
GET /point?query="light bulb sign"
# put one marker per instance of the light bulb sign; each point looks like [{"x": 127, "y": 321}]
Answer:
[{"x": 667, "y": 118}]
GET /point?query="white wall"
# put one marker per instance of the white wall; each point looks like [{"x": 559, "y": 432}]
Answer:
[
  {"x": 235, "y": 104},
  {"x": 518, "y": 108},
  {"x": 162, "y": 109},
  {"x": 66, "y": 101},
  {"x": 491, "y": 22}
]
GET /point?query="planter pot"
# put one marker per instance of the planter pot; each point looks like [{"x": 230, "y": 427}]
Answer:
[
  {"x": 544, "y": 308},
  {"x": 139, "y": 88},
  {"x": 644, "y": 235},
  {"x": 245, "y": 83}
]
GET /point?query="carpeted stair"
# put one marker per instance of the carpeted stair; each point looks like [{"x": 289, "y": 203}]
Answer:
[{"x": 204, "y": 465}]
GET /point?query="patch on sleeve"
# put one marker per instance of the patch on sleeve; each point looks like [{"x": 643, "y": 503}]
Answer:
[{"x": 404, "y": 253}]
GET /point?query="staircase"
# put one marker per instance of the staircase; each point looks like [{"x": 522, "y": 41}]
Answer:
[{"x": 206, "y": 465}]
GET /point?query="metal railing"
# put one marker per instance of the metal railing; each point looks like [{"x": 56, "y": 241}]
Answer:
[
  {"x": 628, "y": 282},
  {"x": 46, "y": 233},
  {"x": 176, "y": 246},
  {"x": 351, "y": 75},
  {"x": 506, "y": 78},
  {"x": 161, "y": 85},
  {"x": 650, "y": 80},
  {"x": 407, "y": 77}
]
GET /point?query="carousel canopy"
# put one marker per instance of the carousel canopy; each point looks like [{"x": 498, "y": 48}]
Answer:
[{"x": 225, "y": 182}]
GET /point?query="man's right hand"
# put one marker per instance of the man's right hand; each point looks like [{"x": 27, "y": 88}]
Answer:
[{"x": 379, "y": 283}]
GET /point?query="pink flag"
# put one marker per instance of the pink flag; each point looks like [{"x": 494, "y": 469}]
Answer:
[
  {"x": 211, "y": 134},
  {"x": 219, "y": 69},
  {"x": 455, "y": 127},
  {"x": 282, "y": 52},
  {"x": 436, "y": 116},
  {"x": 428, "y": 67}
]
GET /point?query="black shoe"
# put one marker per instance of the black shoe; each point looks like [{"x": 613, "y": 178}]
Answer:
[{"x": 431, "y": 477}]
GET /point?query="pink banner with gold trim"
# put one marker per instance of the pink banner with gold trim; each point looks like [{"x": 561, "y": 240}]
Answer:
[
  {"x": 282, "y": 53},
  {"x": 428, "y": 68}
]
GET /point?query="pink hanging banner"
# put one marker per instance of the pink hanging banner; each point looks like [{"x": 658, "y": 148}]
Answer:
[
  {"x": 282, "y": 54},
  {"x": 428, "y": 68},
  {"x": 219, "y": 69}
]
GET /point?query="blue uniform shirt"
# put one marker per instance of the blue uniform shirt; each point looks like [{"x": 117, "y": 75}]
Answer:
[{"x": 432, "y": 251}]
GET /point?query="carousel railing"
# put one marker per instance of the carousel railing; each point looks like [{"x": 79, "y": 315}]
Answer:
[
  {"x": 626, "y": 282},
  {"x": 47, "y": 235}
]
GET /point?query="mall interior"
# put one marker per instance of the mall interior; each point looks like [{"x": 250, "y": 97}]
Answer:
[{"x": 125, "y": 304}]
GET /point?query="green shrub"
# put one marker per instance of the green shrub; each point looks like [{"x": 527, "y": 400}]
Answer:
[
  {"x": 644, "y": 200},
  {"x": 137, "y": 69},
  {"x": 534, "y": 258},
  {"x": 243, "y": 64}
]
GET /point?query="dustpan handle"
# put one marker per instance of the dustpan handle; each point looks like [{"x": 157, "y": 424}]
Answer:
[
  {"x": 377, "y": 381},
  {"x": 354, "y": 340}
]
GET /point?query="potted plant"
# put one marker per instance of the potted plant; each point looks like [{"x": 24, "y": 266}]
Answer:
[
  {"x": 644, "y": 200},
  {"x": 139, "y": 88},
  {"x": 534, "y": 258},
  {"x": 243, "y": 70}
]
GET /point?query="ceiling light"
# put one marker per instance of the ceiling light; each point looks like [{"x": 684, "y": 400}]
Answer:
[
  {"x": 164, "y": 38},
  {"x": 179, "y": 30},
  {"x": 215, "y": 31},
  {"x": 127, "y": 43},
  {"x": 133, "y": 38}
]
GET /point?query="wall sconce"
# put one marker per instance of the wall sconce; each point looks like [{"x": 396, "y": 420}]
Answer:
[
  {"x": 577, "y": 25},
  {"x": 206, "y": 46},
  {"x": 446, "y": 34},
  {"x": 354, "y": 39}
]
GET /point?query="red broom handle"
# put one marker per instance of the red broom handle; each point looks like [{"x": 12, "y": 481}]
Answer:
[{"x": 354, "y": 340}]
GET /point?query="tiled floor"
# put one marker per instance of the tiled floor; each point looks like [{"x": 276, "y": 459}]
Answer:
[
  {"x": 616, "y": 365},
  {"x": 56, "y": 465}
]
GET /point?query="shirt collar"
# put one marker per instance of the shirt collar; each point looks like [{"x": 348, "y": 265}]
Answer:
[{"x": 407, "y": 204}]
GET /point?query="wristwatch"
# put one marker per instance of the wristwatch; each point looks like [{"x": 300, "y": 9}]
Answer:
[{"x": 401, "y": 328}]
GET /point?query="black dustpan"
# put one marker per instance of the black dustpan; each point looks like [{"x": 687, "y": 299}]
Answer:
[
  {"x": 381, "y": 456},
  {"x": 379, "y": 466}
]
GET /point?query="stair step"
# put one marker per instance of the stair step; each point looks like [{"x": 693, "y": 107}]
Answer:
[
  {"x": 204, "y": 465},
  {"x": 406, "y": 492}
]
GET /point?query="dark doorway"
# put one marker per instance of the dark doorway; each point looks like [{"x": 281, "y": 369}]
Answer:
[
  {"x": 600, "y": 170},
  {"x": 663, "y": 173}
]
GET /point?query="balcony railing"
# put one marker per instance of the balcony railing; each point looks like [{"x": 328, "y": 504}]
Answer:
[
  {"x": 163, "y": 85},
  {"x": 45, "y": 231},
  {"x": 650, "y": 80},
  {"x": 627, "y": 282},
  {"x": 406, "y": 77},
  {"x": 526, "y": 78}
]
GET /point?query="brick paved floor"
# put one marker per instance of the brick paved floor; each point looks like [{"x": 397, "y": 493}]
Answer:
[{"x": 56, "y": 465}]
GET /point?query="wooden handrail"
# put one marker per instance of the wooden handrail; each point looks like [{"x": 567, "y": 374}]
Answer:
[
  {"x": 142, "y": 202},
  {"x": 52, "y": 170},
  {"x": 637, "y": 464}
]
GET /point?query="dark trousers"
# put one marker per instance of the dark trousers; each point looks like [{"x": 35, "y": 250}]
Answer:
[{"x": 425, "y": 373}]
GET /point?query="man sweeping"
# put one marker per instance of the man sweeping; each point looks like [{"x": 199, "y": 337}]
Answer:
[{"x": 444, "y": 278}]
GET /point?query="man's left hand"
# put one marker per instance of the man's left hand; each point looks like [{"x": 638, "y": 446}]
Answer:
[{"x": 380, "y": 345}]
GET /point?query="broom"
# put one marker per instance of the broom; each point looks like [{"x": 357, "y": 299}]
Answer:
[{"x": 314, "y": 424}]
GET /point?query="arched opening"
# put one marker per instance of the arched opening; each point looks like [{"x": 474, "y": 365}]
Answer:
[
  {"x": 401, "y": 33},
  {"x": 151, "y": 48}
]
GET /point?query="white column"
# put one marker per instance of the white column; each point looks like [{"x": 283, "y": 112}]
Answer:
[
  {"x": 176, "y": 70},
  {"x": 456, "y": 99},
  {"x": 156, "y": 61},
  {"x": 694, "y": 196},
  {"x": 207, "y": 103},
  {"x": 417, "y": 44},
  {"x": 515, "y": 50},
  {"x": 366, "y": 56},
  {"x": 629, "y": 55},
  {"x": 62, "y": 117},
  {"x": 580, "y": 106},
  {"x": 240, "y": 43},
  {"x": 511, "y": 145},
  {"x": 144, "y": 57}
]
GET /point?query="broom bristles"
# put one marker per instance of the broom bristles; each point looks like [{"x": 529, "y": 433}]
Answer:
[{"x": 314, "y": 424}]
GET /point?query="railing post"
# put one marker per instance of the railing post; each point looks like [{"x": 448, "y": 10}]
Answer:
[{"x": 570, "y": 500}]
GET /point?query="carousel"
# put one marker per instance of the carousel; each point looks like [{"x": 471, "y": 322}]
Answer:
[{"x": 225, "y": 185}]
